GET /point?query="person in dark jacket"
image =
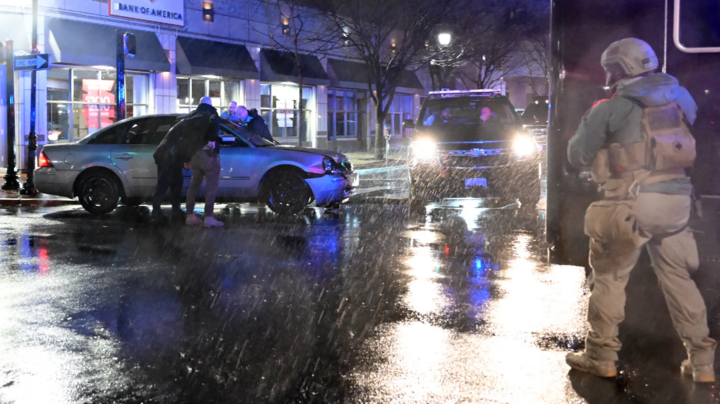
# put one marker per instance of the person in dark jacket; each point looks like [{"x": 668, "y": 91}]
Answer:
[
  {"x": 254, "y": 123},
  {"x": 205, "y": 166},
  {"x": 169, "y": 175},
  {"x": 176, "y": 150}
]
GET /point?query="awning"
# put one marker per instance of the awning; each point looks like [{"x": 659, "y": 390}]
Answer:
[
  {"x": 408, "y": 79},
  {"x": 12, "y": 26},
  {"x": 348, "y": 74},
  {"x": 201, "y": 57},
  {"x": 82, "y": 43},
  {"x": 279, "y": 66}
]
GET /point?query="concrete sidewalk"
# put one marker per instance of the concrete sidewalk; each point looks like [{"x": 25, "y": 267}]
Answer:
[{"x": 366, "y": 160}]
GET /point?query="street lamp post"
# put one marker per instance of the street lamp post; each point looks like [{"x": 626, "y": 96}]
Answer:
[
  {"x": 29, "y": 186},
  {"x": 11, "y": 177}
]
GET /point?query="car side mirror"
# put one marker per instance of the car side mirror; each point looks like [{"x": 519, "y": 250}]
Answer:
[{"x": 408, "y": 124}]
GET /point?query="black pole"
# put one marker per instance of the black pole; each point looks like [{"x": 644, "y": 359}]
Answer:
[
  {"x": 120, "y": 76},
  {"x": 11, "y": 178},
  {"x": 29, "y": 186}
]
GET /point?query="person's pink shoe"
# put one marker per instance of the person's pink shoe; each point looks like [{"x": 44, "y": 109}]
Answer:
[
  {"x": 193, "y": 220},
  {"x": 212, "y": 222}
]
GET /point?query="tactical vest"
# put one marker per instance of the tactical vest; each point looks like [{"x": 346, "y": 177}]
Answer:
[{"x": 666, "y": 149}]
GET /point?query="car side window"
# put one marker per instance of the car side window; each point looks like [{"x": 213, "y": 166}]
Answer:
[
  {"x": 137, "y": 132},
  {"x": 229, "y": 139},
  {"x": 110, "y": 135},
  {"x": 159, "y": 129},
  {"x": 148, "y": 131}
]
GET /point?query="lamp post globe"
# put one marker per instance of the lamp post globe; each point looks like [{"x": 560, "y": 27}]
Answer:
[{"x": 444, "y": 38}]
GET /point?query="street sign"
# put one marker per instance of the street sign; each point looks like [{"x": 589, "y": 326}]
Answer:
[{"x": 39, "y": 61}]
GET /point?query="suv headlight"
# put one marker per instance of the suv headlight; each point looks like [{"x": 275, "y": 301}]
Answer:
[
  {"x": 424, "y": 150},
  {"x": 524, "y": 145}
]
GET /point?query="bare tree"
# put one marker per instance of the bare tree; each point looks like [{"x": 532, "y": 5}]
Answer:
[
  {"x": 389, "y": 36},
  {"x": 536, "y": 62},
  {"x": 488, "y": 68},
  {"x": 292, "y": 32},
  {"x": 493, "y": 34},
  {"x": 536, "y": 50}
]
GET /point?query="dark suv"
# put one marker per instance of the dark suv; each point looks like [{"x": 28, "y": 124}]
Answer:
[
  {"x": 535, "y": 119},
  {"x": 472, "y": 143}
]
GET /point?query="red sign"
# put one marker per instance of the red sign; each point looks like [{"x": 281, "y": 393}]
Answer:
[{"x": 98, "y": 92}]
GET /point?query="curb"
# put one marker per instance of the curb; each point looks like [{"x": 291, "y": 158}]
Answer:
[
  {"x": 363, "y": 199},
  {"x": 36, "y": 202},
  {"x": 378, "y": 169}
]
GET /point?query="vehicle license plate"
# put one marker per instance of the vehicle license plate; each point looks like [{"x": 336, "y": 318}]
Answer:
[{"x": 475, "y": 182}]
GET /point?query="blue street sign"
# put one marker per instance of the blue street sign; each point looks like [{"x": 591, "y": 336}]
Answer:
[{"x": 39, "y": 61}]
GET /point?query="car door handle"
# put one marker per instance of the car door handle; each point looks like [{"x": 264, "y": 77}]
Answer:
[{"x": 123, "y": 157}]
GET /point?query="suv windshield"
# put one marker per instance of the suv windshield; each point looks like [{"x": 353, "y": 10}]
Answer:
[
  {"x": 467, "y": 111},
  {"x": 536, "y": 113}
]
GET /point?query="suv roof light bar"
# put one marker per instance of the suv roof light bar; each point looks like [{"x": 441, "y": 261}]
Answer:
[{"x": 463, "y": 91}]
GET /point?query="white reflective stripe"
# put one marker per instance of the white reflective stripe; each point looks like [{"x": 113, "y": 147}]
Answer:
[{"x": 676, "y": 35}]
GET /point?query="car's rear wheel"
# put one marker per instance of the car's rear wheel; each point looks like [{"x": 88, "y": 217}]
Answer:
[
  {"x": 99, "y": 192},
  {"x": 287, "y": 193}
]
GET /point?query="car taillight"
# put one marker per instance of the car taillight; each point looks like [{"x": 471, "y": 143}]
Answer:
[{"x": 43, "y": 160}]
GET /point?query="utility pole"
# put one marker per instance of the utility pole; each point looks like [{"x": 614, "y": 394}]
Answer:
[
  {"x": 11, "y": 178},
  {"x": 29, "y": 186}
]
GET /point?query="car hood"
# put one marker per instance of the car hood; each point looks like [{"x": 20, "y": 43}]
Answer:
[{"x": 320, "y": 152}]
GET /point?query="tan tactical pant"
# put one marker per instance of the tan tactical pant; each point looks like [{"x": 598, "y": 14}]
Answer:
[
  {"x": 673, "y": 252},
  {"x": 206, "y": 167}
]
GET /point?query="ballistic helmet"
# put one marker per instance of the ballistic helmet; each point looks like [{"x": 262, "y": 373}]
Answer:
[{"x": 632, "y": 56}]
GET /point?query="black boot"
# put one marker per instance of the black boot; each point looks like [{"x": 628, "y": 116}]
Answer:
[
  {"x": 178, "y": 216},
  {"x": 157, "y": 219}
]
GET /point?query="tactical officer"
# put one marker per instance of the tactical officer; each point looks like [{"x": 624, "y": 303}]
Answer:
[{"x": 638, "y": 145}]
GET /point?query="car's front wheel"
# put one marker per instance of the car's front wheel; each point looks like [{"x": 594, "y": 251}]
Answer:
[
  {"x": 286, "y": 192},
  {"x": 99, "y": 192}
]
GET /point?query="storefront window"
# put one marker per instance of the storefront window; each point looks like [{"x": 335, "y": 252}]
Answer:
[
  {"x": 221, "y": 91},
  {"x": 81, "y": 101},
  {"x": 401, "y": 108},
  {"x": 342, "y": 113},
  {"x": 58, "y": 108},
  {"x": 279, "y": 108}
]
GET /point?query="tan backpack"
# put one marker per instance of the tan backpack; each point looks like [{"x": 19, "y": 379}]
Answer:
[{"x": 667, "y": 143}]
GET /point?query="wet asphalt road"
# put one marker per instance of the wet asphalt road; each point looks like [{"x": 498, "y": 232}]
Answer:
[{"x": 367, "y": 305}]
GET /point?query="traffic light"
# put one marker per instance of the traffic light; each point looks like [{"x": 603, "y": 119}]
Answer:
[{"x": 129, "y": 47}]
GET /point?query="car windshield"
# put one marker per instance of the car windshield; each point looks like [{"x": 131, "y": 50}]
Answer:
[
  {"x": 467, "y": 111},
  {"x": 256, "y": 140}
]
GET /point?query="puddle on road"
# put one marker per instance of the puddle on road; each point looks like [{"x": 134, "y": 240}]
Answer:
[{"x": 482, "y": 313}]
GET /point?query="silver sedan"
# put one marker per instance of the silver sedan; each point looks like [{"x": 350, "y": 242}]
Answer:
[{"x": 115, "y": 164}]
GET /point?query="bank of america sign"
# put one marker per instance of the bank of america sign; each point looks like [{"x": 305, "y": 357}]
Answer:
[{"x": 168, "y": 12}]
